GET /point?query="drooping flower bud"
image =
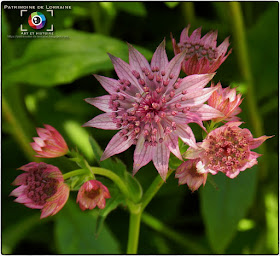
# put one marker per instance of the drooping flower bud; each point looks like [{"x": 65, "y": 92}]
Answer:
[
  {"x": 91, "y": 194},
  {"x": 50, "y": 143},
  {"x": 41, "y": 187}
]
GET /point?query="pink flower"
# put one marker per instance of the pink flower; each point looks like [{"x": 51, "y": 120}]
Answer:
[
  {"x": 189, "y": 173},
  {"x": 227, "y": 102},
  {"x": 41, "y": 187},
  {"x": 92, "y": 193},
  {"x": 203, "y": 56},
  {"x": 227, "y": 149},
  {"x": 50, "y": 143},
  {"x": 151, "y": 107}
]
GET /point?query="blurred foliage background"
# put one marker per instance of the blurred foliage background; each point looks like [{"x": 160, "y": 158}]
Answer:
[{"x": 44, "y": 81}]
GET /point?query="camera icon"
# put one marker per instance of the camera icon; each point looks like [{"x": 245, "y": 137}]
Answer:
[{"x": 37, "y": 20}]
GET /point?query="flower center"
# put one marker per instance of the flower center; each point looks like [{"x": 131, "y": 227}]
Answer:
[
  {"x": 39, "y": 187},
  {"x": 200, "y": 50},
  {"x": 228, "y": 151},
  {"x": 92, "y": 193},
  {"x": 150, "y": 112}
]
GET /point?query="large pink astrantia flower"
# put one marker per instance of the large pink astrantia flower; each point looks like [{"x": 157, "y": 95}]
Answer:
[
  {"x": 41, "y": 187},
  {"x": 227, "y": 102},
  {"x": 227, "y": 149},
  {"x": 203, "y": 56},
  {"x": 50, "y": 143},
  {"x": 91, "y": 194},
  {"x": 189, "y": 173},
  {"x": 151, "y": 107}
]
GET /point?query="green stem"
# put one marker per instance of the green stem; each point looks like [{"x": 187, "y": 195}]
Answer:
[
  {"x": 184, "y": 241},
  {"x": 188, "y": 12},
  {"x": 152, "y": 190},
  {"x": 74, "y": 173},
  {"x": 114, "y": 177},
  {"x": 136, "y": 211},
  {"x": 243, "y": 59},
  {"x": 134, "y": 230}
]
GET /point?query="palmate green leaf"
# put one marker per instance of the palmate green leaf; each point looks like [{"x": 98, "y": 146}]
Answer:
[
  {"x": 222, "y": 209},
  {"x": 50, "y": 62},
  {"x": 75, "y": 232}
]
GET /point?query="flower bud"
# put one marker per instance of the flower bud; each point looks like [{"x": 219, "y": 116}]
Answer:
[{"x": 50, "y": 143}]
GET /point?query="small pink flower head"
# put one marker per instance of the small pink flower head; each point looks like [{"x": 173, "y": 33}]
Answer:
[
  {"x": 203, "y": 56},
  {"x": 92, "y": 193},
  {"x": 227, "y": 149},
  {"x": 50, "y": 143},
  {"x": 151, "y": 107},
  {"x": 189, "y": 173},
  {"x": 41, "y": 187},
  {"x": 227, "y": 102}
]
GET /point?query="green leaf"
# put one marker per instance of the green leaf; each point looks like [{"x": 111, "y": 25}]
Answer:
[
  {"x": 74, "y": 231},
  {"x": 111, "y": 204},
  {"x": 222, "y": 209},
  {"x": 79, "y": 137},
  {"x": 134, "y": 187},
  {"x": 271, "y": 202},
  {"x": 263, "y": 46},
  {"x": 171, "y": 4},
  {"x": 134, "y": 8},
  {"x": 52, "y": 62},
  {"x": 174, "y": 162}
]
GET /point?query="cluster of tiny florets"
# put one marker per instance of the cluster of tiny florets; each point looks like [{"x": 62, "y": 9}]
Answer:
[{"x": 227, "y": 151}]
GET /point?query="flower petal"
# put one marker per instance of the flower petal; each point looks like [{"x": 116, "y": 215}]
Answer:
[
  {"x": 136, "y": 60},
  {"x": 109, "y": 84},
  {"x": 186, "y": 134},
  {"x": 172, "y": 144},
  {"x": 196, "y": 97},
  {"x": 117, "y": 145},
  {"x": 258, "y": 141},
  {"x": 142, "y": 154},
  {"x": 159, "y": 58},
  {"x": 18, "y": 191},
  {"x": 173, "y": 69},
  {"x": 20, "y": 180},
  {"x": 102, "y": 102},
  {"x": 206, "y": 112},
  {"x": 103, "y": 121},
  {"x": 194, "y": 82},
  {"x": 124, "y": 71},
  {"x": 161, "y": 159}
]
